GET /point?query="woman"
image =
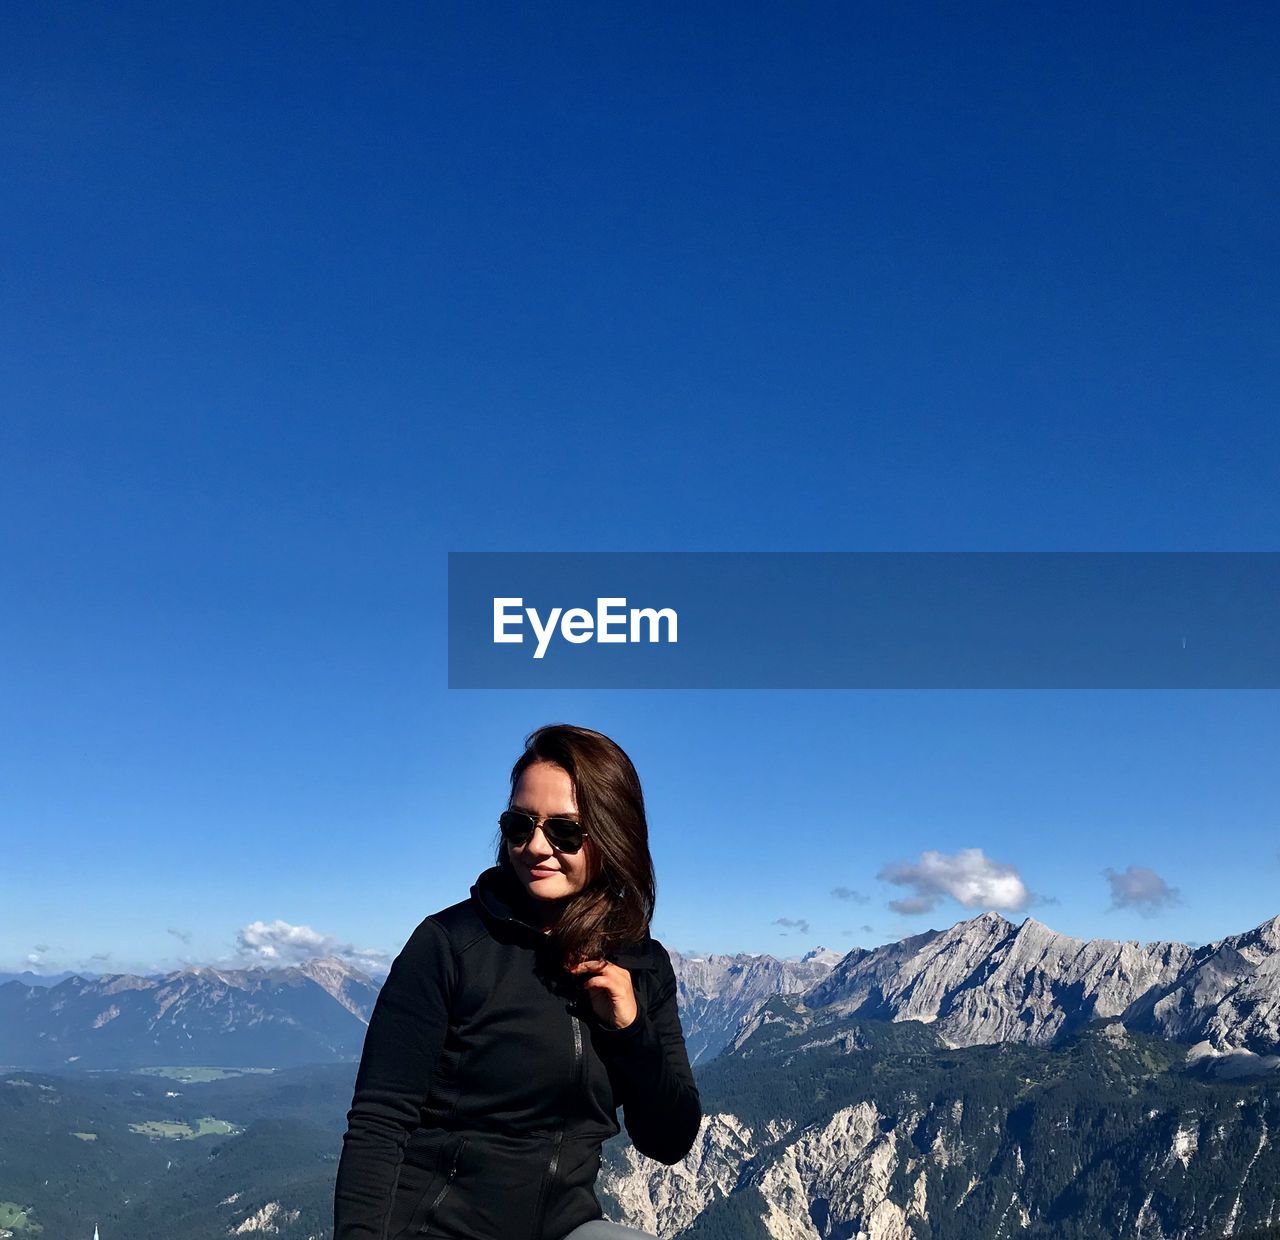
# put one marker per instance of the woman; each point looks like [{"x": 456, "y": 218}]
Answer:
[{"x": 514, "y": 1023}]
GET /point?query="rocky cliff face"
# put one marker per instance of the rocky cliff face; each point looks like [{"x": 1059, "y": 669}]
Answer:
[
  {"x": 666, "y": 1200},
  {"x": 898, "y": 1137},
  {"x": 837, "y": 1174}
]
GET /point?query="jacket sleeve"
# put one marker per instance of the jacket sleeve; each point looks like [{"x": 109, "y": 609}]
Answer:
[
  {"x": 406, "y": 1032},
  {"x": 649, "y": 1067}
]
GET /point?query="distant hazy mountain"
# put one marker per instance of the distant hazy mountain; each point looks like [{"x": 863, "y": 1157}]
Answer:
[
  {"x": 27, "y": 978},
  {"x": 309, "y": 1013}
]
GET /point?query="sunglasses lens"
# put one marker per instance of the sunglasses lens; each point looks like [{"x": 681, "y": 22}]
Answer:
[
  {"x": 517, "y": 828},
  {"x": 563, "y": 834}
]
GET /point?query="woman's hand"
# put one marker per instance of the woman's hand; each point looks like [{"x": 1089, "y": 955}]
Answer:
[{"x": 608, "y": 987}]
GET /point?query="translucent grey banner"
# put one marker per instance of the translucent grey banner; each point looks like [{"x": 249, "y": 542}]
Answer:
[{"x": 837, "y": 620}]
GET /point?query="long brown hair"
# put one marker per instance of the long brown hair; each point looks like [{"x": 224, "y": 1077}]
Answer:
[{"x": 615, "y": 906}]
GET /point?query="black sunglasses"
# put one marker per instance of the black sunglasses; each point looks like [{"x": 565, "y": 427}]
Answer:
[{"x": 563, "y": 834}]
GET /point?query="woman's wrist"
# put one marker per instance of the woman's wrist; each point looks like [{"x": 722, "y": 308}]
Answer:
[{"x": 621, "y": 1032}]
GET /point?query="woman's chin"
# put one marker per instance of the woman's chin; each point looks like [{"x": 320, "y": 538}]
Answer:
[
  {"x": 543, "y": 889},
  {"x": 550, "y": 887}
]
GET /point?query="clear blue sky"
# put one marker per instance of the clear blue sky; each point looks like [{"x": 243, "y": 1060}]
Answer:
[{"x": 300, "y": 298}]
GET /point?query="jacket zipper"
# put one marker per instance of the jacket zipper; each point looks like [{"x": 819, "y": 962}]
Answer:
[
  {"x": 444, "y": 1188},
  {"x": 549, "y": 1176}
]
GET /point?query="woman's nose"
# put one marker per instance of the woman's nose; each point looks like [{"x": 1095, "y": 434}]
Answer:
[{"x": 538, "y": 843}]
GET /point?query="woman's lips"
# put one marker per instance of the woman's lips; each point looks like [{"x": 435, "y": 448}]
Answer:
[{"x": 540, "y": 873}]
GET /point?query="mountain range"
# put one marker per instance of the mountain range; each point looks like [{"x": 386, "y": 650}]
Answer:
[
  {"x": 984, "y": 980},
  {"x": 987, "y": 980},
  {"x": 982, "y": 1081}
]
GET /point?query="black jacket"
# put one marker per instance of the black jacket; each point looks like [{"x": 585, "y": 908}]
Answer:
[{"x": 487, "y": 1084}]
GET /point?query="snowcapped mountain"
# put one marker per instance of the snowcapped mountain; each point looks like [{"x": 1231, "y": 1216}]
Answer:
[{"x": 822, "y": 955}]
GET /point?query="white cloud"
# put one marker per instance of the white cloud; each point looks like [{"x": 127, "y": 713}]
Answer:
[
  {"x": 1142, "y": 889},
  {"x": 279, "y": 943},
  {"x": 968, "y": 877}
]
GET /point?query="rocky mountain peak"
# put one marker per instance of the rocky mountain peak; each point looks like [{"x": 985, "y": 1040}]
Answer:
[
  {"x": 1259, "y": 943},
  {"x": 992, "y": 918},
  {"x": 331, "y": 967}
]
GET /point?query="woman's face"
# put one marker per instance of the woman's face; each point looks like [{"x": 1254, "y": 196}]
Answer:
[{"x": 546, "y": 791}]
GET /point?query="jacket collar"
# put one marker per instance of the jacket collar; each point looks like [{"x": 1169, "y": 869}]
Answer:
[{"x": 501, "y": 895}]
